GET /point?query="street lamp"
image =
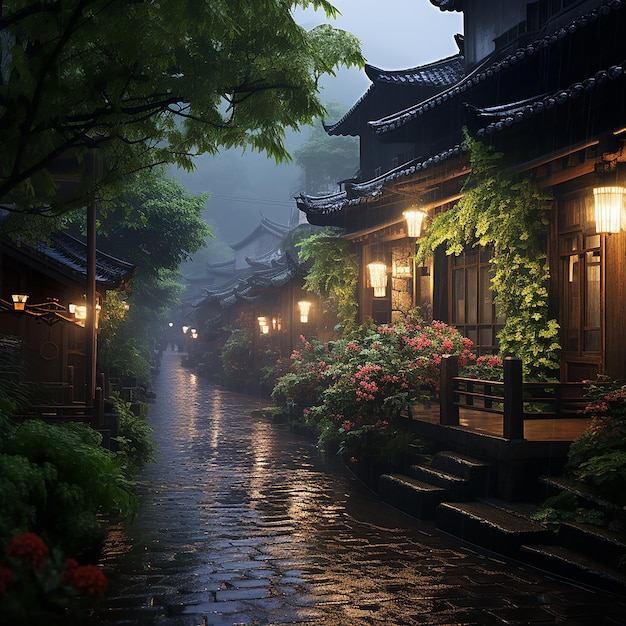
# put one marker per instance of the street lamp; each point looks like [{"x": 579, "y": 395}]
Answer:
[{"x": 19, "y": 301}]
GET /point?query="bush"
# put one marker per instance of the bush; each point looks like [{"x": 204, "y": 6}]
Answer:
[
  {"x": 136, "y": 446},
  {"x": 371, "y": 377},
  {"x": 60, "y": 479}
]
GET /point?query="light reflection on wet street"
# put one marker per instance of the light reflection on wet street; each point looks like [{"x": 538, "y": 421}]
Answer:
[{"x": 242, "y": 523}]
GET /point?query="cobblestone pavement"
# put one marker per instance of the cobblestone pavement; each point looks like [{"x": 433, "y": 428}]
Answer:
[{"x": 242, "y": 524}]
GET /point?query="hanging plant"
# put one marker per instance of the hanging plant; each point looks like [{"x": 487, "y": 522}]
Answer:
[
  {"x": 334, "y": 274},
  {"x": 509, "y": 215}
]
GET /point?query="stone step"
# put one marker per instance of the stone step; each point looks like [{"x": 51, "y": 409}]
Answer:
[
  {"x": 586, "y": 495},
  {"x": 458, "y": 489},
  {"x": 489, "y": 527},
  {"x": 594, "y": 541},
  {"x": 479, "y": 473},
  {"x": 410, "y": 495},
  {"x": 575, "y": 566}
]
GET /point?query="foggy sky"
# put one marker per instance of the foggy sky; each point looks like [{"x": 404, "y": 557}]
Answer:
[{"x": 395, "y": 34}]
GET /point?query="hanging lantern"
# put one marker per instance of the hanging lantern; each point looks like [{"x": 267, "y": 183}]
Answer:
[
  {"x": 414, "y": 221},
  {"x": 378, "y": 278},
  {"x": 304, "y": 306},
  {"x": 19, "y": 301},
  {"x": 609, "y": 205}
]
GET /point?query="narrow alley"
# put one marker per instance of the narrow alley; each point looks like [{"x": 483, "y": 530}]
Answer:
[{"x": 242, "y": 523}]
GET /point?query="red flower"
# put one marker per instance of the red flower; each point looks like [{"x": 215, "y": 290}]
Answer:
[
  {"x": 6, "y": 578},
  {"x": 28, "y": 548},
  {"x": 88, "y": 580}
]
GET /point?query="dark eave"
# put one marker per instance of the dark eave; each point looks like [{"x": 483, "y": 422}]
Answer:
[
  {"x": 488, "y": 69},
  {"x": 441, "y": 73},
  {"x": 67, "y": 256},
  {"x": 505, "y": 115},
  {"x": 448, "y": 5},
  {"x": 438, "y": 75},
  {"x": 266, "y": 225},
  {"x": 322, "y": 207}
]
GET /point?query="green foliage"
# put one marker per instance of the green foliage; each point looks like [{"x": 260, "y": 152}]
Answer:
[
  {"x": 136, "y": 445},
  {"x": 597, "y": 460},
  {"x": 334, "y": 274},
  {"x": 598, "y": 457},
  {"x": 63, "y": 479},
  {"x": 363, "y": 382},
  {"x": 508, "y": 215},
  {"x": 247, "y": 361},
  {"x": 204, "y": 75}
]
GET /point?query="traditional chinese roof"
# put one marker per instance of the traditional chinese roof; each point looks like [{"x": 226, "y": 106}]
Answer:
[
  {"x": 323, "y": 207},
  {"x": 448, "y": 5},
  {"x": 442, "y": 73},
  {"x": 437, "y": 75},
  {"x": 68, "y": 256},
  {"x": 490, "y": 68},
  {"x": 505, "y": 115},
  {"x": 273, "y": 270},
  {"x": 266, "y": 226}
]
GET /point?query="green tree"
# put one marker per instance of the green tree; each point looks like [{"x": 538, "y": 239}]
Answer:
[
  {"x": 159, "y": 226},
  {"x": 143, "y": 83},
  {"x": 327, "y": 160}
]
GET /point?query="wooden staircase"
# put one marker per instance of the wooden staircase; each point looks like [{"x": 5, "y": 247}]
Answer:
[{"x": 456, "y": 492}]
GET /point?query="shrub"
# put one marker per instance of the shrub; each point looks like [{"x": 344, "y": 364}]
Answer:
[
  {"x": 372, "y": 376},
  {"x": 136, "y": 445},
  {"x": 62, "y": 478}
]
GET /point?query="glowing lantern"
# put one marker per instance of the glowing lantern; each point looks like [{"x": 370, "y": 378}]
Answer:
[
  {"x": 305, "y": 307},
  {"x": 609, "y": 205},
  {"x": 414, "y": 221},
  {"x": 378, "y": 278}
]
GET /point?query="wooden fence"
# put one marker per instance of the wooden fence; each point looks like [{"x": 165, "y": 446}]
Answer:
[{"x": 513, "y": 399}]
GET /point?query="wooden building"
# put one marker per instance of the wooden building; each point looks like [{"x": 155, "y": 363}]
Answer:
[
  {"x": 544, "y": 82},
  {"x": 48, "y": 335}
]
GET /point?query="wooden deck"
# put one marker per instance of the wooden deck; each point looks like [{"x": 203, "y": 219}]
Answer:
[{"x": 564, "y": 429}]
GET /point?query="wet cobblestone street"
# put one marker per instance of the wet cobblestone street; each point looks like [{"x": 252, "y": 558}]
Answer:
[{"x": 242, "y": 523}]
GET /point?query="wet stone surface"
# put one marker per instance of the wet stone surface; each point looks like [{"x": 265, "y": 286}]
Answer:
[{"x": 242, "y": 523}]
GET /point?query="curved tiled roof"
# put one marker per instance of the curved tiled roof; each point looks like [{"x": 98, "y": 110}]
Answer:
[
  {"x": 68, "y": 255},
  {"x": 506, "y": 115},
  {"x": 441, "y": 73},
  {"x": 361, "y": 192},
  {"x": 490, "y": 69},
  {"x": 267, "y": 225},
  {"x": 448, "y": 5}
]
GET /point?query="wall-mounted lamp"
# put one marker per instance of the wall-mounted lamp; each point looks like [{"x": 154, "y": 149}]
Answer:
[
  {"x": 402, "y": 268},
  {"x": 414, "y": 221},
  {"x": 609, "y": 207},
  {"x": 185, "y": 329},
  {"x": 304, "y": 307},
  {"x": 194, "y": 333},
  {"x": 19, "y": 301},
  {"x": 378, "y": 278}
]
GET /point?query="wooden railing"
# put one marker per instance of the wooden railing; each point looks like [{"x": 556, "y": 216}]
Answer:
[{"x": 511, "y": 398}]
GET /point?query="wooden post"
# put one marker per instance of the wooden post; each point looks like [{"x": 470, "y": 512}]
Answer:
[
  {"x": 513, "y": 426},
  {"x": 448, "y": 410}
]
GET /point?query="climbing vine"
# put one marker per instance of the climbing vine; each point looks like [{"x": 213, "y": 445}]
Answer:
[
  {"x": 334, "y": 274},
  {"x": 510, "y": 216}
]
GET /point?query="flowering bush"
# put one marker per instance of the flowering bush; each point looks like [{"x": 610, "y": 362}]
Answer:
[
  {"x": 39, "y": 586},
  {"x": 373, "y": 375},
  {"x": 598, "y": 457}
]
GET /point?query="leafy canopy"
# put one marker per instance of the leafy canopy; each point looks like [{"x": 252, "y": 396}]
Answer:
[{"x": 149, "y": 82}]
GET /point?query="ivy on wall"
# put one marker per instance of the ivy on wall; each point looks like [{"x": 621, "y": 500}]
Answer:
[
  {"x": 510, "y": 216},
  {"x": 334, "y": 274}
]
